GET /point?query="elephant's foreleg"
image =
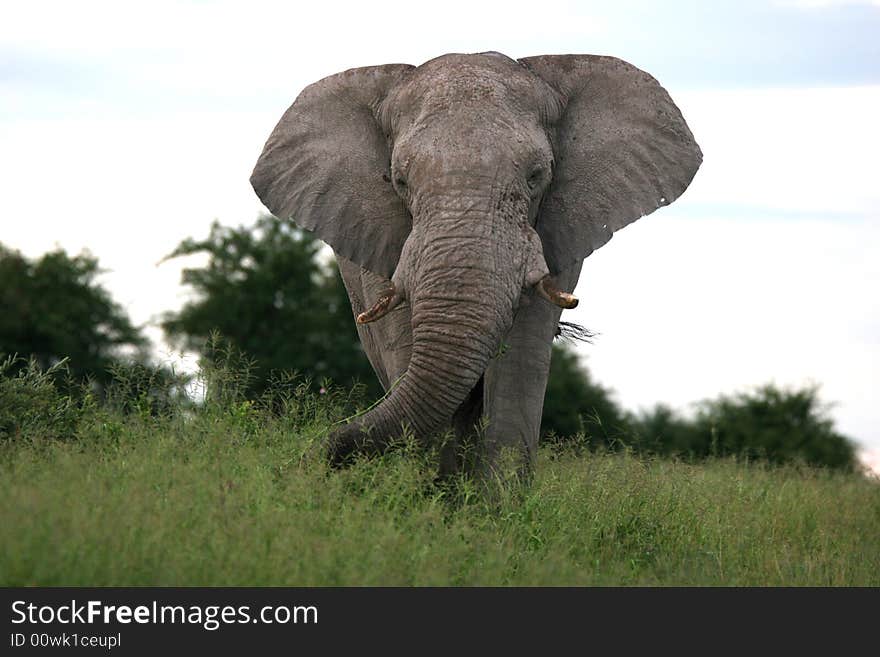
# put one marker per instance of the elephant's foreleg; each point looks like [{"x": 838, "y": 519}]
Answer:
[
  {"x": 458, "y": 452},
  {"x": 387, "y": 342},
  {"x": 516, "y": 381}
]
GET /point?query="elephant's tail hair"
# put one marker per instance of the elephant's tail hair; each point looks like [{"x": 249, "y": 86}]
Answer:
[{"x": 571, "y": 332}]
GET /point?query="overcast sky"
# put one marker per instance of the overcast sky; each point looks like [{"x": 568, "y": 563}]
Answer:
[{"x": 126, "y": 127}]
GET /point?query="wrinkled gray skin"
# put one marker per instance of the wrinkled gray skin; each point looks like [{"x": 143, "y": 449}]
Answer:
[{"x": 466, "y": 180}]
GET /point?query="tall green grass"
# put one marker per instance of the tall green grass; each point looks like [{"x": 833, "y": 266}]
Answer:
[{"x": 236, "y": 493}]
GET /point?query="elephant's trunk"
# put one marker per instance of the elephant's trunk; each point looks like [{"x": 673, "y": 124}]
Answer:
[{"x": 463, "y": 287}]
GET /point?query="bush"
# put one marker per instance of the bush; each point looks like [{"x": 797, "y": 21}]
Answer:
[
  {"x": 268, "y": 291},
  {"x": 769, "y": 423},
  {"x": 138, "y": 387},
  {"x": 54, "y": 309},
  {"x": 663, "y": 431},
  {"x": 575, "y": 406},
  {"x": 778, "y": 425},
  {"x": 31, "y": 406}
]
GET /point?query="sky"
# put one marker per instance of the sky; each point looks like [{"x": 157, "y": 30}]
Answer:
[{"x": 126, "y": 127}]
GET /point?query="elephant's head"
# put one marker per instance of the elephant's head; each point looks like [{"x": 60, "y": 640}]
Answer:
[{"x": 469, "y": 182}]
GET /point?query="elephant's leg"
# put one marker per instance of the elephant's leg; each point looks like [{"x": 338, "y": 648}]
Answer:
[
  {"x": 457, "y": 450},
  {"x": 388, "y": 341},
  {"x": 516, "y": 381}
]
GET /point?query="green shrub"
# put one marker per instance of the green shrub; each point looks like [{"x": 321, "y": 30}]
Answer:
[
  {"x": 31, "y": 406},
  {"x": 578, "y": 408},
  {"x": 55, "y": 309},
  {"x": 768, "y": 424}
]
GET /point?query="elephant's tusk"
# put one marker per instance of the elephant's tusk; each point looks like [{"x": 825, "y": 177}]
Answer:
[
  {"x": 547, "y": 288},
  {"x": 384, "y": 305}
]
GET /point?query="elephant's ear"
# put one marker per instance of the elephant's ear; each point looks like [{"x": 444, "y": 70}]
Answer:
[
  {"x": 622, "y": 150},
  {"x": 323, "y": 167}
]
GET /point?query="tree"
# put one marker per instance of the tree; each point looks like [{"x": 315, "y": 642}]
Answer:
[
  {"x": 266, "y": 290},
  {"x": 662, "y": 430},
  {"x": 777, "y": 425},
  {"x": 575, "y": 405},
  {"x": 54, "y": 309},
  {"x": 769, "y": 423}
]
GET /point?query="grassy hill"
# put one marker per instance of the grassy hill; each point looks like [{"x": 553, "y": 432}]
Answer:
[{"x": 232, "y": 494}]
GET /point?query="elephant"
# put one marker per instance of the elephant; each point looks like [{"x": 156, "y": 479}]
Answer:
[{"x": 460, "y": 198}]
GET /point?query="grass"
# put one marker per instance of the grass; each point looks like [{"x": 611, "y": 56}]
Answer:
[{"x": 232, "y": 494}]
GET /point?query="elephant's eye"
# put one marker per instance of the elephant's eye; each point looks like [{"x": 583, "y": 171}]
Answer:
[
  {"x": 399, "y": 181},
  {"x": 535, "y": 178}
]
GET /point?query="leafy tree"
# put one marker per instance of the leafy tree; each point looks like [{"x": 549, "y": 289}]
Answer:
[
  {"x": 664, "y": 431},
  {"x": 774, "y": 424},
  {"x": 769, "y": 423},
  {"x": 576, "y": 405},
  {"x": 54, "y": 309},
  {"x": 266, "y": 290}
]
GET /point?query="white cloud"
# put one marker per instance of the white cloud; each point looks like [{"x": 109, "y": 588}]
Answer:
[
  {"x": 765, "y": 269},
  {"x": 824, "y": 4},
  {"x": 691, "y": 307},
  {"x": 265, "y": 37},
  {"x": 803, "y": 150}
]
